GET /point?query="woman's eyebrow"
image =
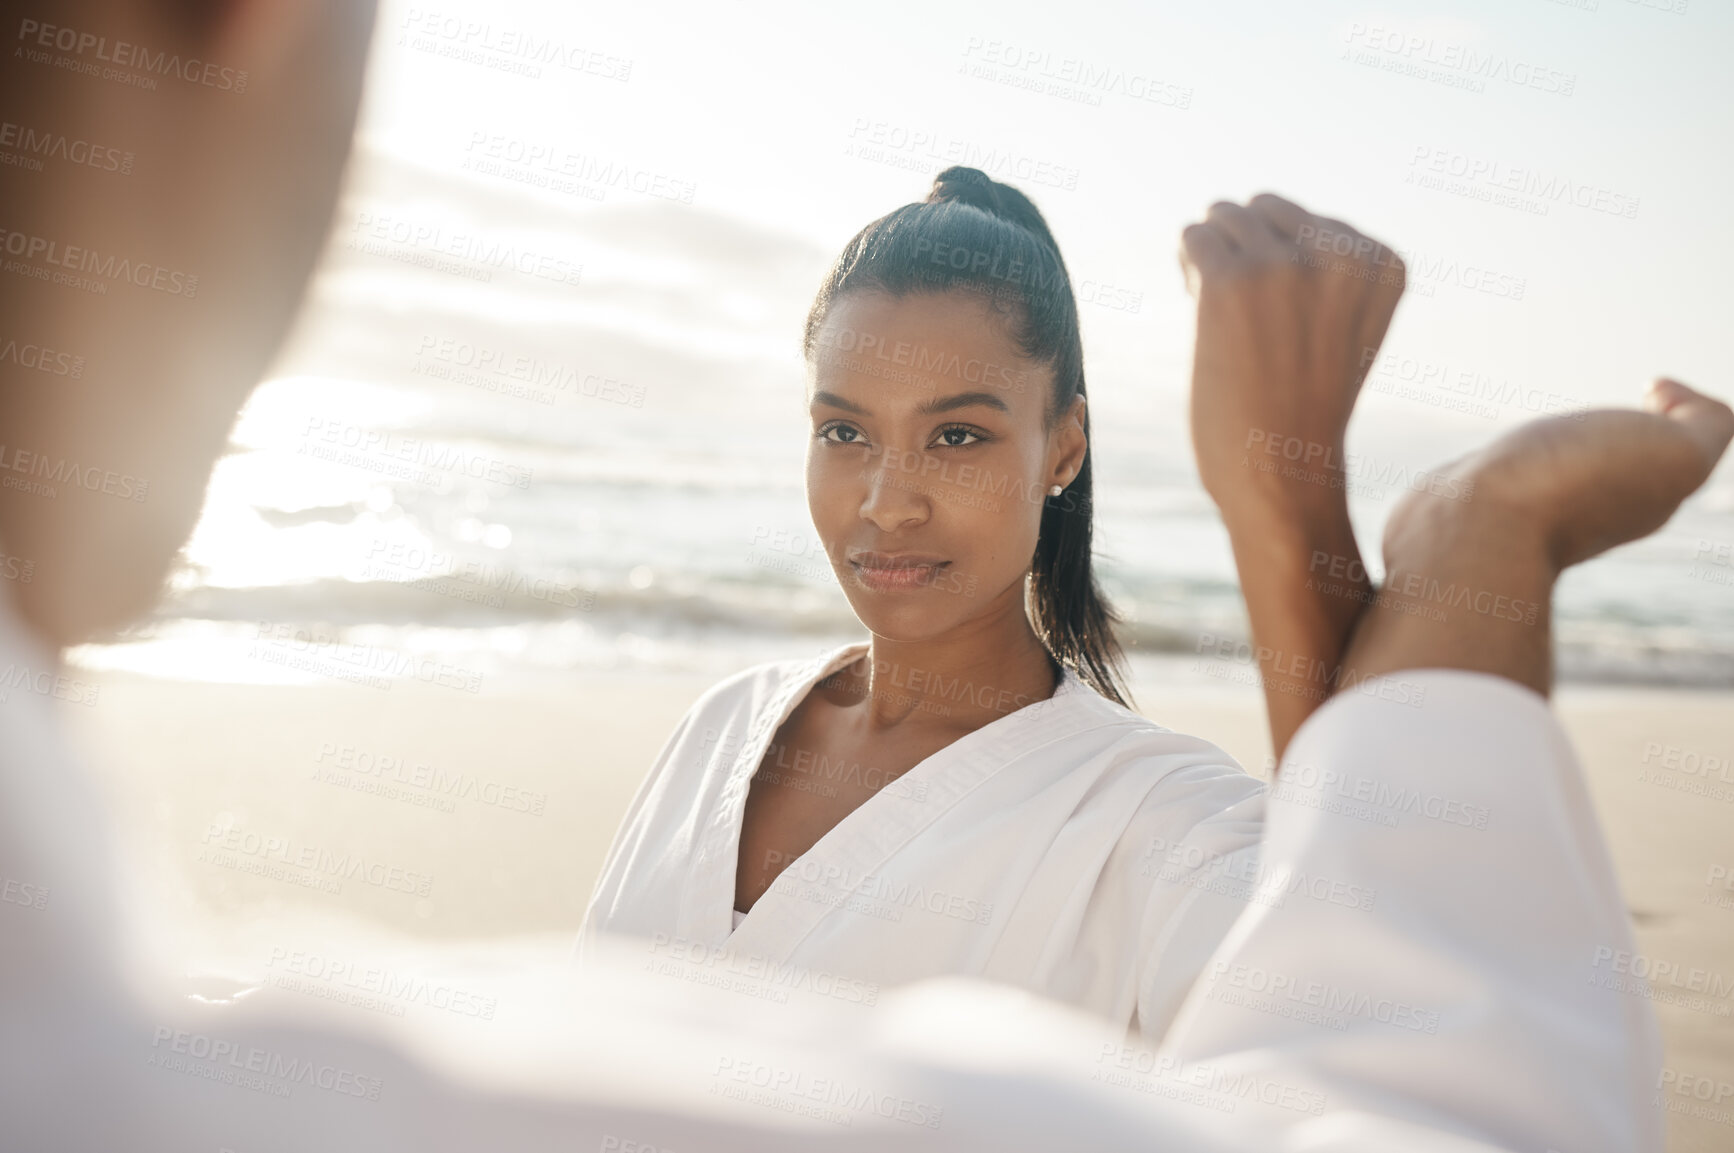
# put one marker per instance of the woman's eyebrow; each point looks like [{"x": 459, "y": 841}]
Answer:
[
  {"x": 835, "y": 401},
  {"x": 927, "y": 408},
  {"x": 961, "y": 400}
]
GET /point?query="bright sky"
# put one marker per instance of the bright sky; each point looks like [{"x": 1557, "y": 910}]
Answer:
[{"x": 762, "y": 109}]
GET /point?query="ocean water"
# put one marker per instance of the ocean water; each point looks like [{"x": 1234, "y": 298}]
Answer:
[{"x": 522, "y": 435}]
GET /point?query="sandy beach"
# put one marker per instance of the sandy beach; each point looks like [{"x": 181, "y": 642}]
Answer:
[{"x": 487, "y": 815}]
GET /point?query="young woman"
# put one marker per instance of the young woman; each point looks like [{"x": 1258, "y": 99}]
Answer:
[{"x": 967, "y": 791}]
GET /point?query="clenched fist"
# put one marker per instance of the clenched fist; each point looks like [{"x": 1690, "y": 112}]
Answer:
[{"x": 1292, "y": 309}]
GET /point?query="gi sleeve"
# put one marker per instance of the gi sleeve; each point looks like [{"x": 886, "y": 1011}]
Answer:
[{"x": 1471, "y": 993}]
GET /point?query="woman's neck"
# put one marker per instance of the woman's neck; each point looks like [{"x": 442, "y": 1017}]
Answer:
[{"x": 963, "y": 679}]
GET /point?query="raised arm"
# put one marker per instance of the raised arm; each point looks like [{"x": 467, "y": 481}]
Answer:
[
  {"x": 1291, "y": 311},
  {"x": 1478, "y": 984}
]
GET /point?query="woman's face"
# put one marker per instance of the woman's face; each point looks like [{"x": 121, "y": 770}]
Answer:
[{"x": 929, "y": 464}]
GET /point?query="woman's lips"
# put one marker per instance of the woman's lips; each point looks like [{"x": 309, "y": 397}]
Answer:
[{"x": 892, "y": 573}]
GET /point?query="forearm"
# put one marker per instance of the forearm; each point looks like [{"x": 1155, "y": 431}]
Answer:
[
  {"x": 1470, "y": 564},
  {"x": 1305, "y": 587},
  {"x": 1468, "y": 586},
  {"x": 1292, "y": 309}
]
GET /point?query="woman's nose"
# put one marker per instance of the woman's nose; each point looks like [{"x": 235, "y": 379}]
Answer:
[{"x": 895, "y": 495}]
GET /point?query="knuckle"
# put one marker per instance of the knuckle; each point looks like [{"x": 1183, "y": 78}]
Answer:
[{"x": 1282, "y": 268}]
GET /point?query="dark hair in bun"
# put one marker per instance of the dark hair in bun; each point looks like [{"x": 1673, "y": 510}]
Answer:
[{"x": 977, "y": 235}]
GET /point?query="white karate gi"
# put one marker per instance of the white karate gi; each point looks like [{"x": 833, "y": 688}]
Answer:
[
  {"x": 1490, "y": 941},
  {"x": 1071, "y": 847}
]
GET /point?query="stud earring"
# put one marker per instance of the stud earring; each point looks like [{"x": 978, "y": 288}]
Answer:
[{"x": 1054, "y": 491}]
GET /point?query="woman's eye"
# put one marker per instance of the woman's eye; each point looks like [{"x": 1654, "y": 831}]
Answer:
[
  {"x": 852, "y": 433},
  {"x": 953, "y": 434}
]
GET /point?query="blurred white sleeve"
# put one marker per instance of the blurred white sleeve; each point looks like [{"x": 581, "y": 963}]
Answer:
[{"x": 1467, "y": 993}]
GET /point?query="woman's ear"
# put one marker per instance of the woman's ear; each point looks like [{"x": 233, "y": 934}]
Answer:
[{"x": 1067, "y": 445}]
